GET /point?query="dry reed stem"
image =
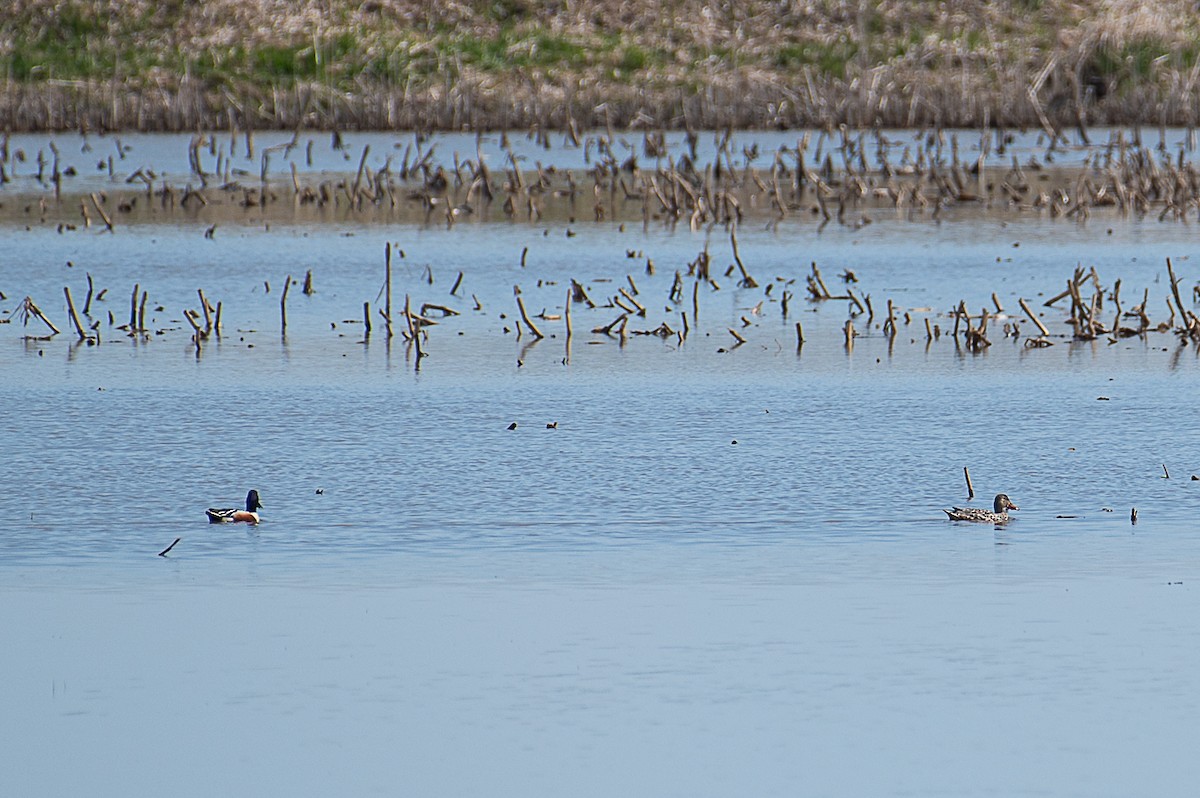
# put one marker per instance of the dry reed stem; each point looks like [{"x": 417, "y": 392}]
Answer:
[
  {"x": 525, "y": 316},
  {"x": 208, "y": 322},
  {"x": 107, "y": 221},
  {"x": 29, "y": 308},
  {"x": 74, "y": 316},
  {"x": 287, "y": 284},
  {"x": 141, "y": 325},
  {"x": 1033, "y": 317},
  {"x": 387, "y": 283}
]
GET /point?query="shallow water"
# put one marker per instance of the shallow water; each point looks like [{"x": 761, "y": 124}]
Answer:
[
  {"x": 726, "y": 569},
  {"x": 95, "y": 162}
]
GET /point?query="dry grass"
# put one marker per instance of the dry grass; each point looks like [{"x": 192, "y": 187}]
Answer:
[{"x": 516, "y": 63}]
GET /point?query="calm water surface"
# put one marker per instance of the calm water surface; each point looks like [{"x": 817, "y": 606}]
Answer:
[{"x": 724, "y": 570}]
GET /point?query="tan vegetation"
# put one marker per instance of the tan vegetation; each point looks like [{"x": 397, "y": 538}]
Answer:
[{"x": 387, "y": 64}]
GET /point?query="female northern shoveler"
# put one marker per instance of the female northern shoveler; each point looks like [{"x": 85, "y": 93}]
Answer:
[
  {"x": 248, "y": 515},
  {"x": 999, "y": 515}
]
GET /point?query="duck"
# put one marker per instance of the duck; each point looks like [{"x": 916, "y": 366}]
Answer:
[
  {"x": 231, "y": 515},
  {"x": 997, "y": 515}
]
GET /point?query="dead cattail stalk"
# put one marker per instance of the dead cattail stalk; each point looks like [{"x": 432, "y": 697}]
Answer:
[
  {"x": 141, "y": 325},
  {"x": 641, "y": 309},
  {"x": 387, "y": 287},
  {"x": 747, "y": 280},
  {"x": 367, "y": 318},
  {"x": 190, "y": 317},
  {"x": 1185, "y": 316},
  {"x": 133, "y": 309},
  {"x": 287, "y": 284},
  {"x": 525, "y": 316},
  {"x": 208, "y": 323},
  {"x": 96, "y": 202},
  {"x": 970, "y": 487},
  {"x": 457, "y": 283},
  {"x": 74, "y": 316},
  {"x": 608, "y": 328},
  {"x": 889, "y": 326},
  {"x": 408, "y": 318},
  {"x": 1033, "y": 317},
  {"x": 567, "y": 313},
  {"x": 29, "y": 308}
]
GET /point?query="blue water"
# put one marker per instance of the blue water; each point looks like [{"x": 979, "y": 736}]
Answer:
[{"x": 724, "y": 569}]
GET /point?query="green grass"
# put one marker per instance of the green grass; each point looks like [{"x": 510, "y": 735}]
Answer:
[
  {"x": 829, "y": 59},
  {"x": 1136, "y": 61}
]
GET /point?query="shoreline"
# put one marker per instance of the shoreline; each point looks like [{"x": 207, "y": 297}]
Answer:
[{"x": 736, "y": 102}]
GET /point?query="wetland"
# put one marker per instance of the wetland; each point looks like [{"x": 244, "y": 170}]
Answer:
[{"x": 679, "y": 507}]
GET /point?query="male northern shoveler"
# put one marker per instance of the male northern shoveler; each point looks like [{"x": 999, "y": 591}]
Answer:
[
  {"x": 249, "y": 516},
  {"x": 998, "y": 515}
]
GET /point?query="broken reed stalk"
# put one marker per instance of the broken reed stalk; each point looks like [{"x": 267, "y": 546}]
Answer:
[
  {"x": 141, "y": 325},
  {"x": 414, "y": 330},
  {"x": 608, "y": 328},
  {"x": 1033, "y": 317},
  {"x": 164, "y": 552},
  {"x": 799, "y": 336},
  {"x": 30, "y": 308},
  {"x": 567, "y": 313},
  {"x": 734, "y": 333},
  {"x": 367, "y": 318},
  {"x": 208, "y": 322},
  {"x": 525, "y": 316},
  {"x": 747, "y": 280},
  {"x": 287, "y": 284},
  {"x": 457, "y": 283},
  {"x": 217, "y": 321},
  {"x": 133, "y": 308},
  {"x": 889, "y": 326},
  {"x": 74, "y": 316},
  {"x": 408, "y": 318},
  {"x": 87, "y": 302},
  {"x": 1184, "y": 315},
  {"x": 970, "y": 487},
  {"x": 107, "y": 221},
  {"x": 387, "y": 286}
]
